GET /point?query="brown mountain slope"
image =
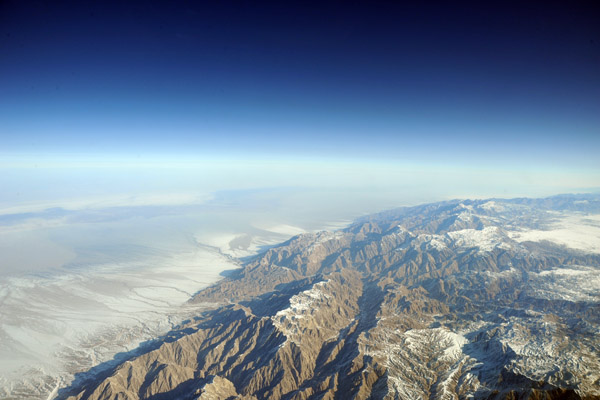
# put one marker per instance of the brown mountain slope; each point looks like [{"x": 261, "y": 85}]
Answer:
[{"x": 427, "y": 306}]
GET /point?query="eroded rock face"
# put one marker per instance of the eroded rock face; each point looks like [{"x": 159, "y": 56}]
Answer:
[{"x": 435, "y": 302}]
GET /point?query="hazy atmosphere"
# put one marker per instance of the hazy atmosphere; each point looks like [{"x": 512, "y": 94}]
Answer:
[
  {"x": 149, "y": 148},
  {"x": 102, "y": 99}
]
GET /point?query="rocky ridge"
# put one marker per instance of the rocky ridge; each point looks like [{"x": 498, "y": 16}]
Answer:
[{"x": 432, "y": 302}]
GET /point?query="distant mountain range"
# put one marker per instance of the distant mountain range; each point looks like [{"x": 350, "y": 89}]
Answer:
[{"x": 483, "y": 299}]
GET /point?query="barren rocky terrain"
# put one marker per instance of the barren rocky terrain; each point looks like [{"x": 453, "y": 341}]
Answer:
[{"x": 486, "y": 299}]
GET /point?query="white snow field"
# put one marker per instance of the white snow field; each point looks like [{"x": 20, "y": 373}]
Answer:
[
  {"x": 53, "y": 326},
  {"x": 577, "y": 231}
]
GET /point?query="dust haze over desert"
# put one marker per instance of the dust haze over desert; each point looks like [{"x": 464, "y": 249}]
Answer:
[{"x": 291, "y": 200}]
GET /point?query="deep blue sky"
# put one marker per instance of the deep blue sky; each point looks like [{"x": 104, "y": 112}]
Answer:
[{"x": 476, "y": 83}]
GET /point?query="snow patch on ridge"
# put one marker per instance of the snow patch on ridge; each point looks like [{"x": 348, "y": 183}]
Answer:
[
  {"x": 486, "y": 239},
  {"x": 431, "y": 241},
  {"x": 492, "y": 206},
  {"x": 401, "y": 349},
  {"x": 301, "y": 304},
  {"x": 551, "y": 353},
  {"x": 465, "y": 216},
  {"x": 450, "y": 343},
  {"x": 572, "y": 283},
  {"x": 303, "y": 300}
]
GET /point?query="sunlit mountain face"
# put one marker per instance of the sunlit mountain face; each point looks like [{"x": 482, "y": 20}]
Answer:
[
  {"x": 216, "y": 173},
  {"x": 460, "y": 299}
]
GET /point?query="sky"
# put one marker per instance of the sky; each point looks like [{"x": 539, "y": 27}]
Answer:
[{"x": 492, "y": 98}]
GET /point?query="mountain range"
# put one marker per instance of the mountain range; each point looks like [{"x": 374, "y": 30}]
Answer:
[{"x": 463, "y": 299}]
